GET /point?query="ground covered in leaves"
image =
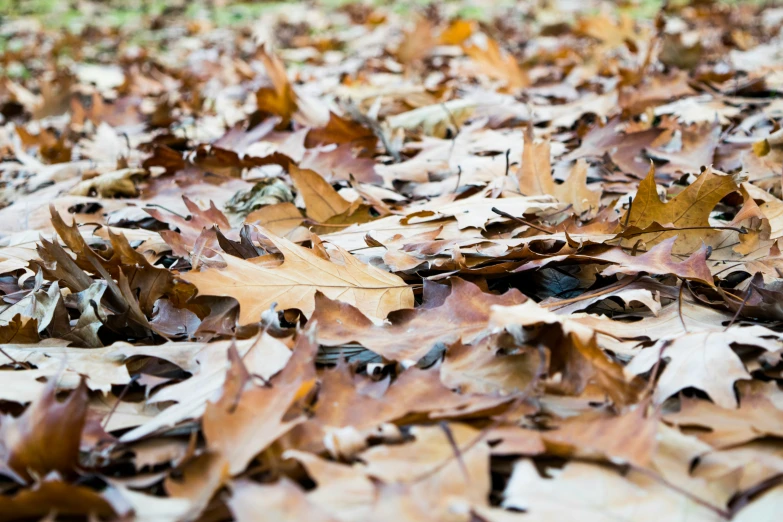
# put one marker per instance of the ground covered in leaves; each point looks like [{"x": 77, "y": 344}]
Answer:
[{"x": 510, "y": 263}]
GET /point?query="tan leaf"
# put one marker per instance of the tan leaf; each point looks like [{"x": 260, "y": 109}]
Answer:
[
  {"x": 535, "y": 174},
  {"x": 247, "y": 418},
  {"x": 690, "y": 208},
  {"x": 629, "y": 437},
  {"x": 703, "y": 360},
  {"x": 498, "y": 65},
  {"x": 280, "y": 219},
  {"x": 412, "y": 333},
  {"x": 279, "y": 99},
  {"x": 575, "y": 192},
  {"x": 322, "y": 202},
  {"x": 571, "y": 493},
  {"x": 55, "y": 496},
  {"x": 295, "y": 283},
  {"x": 758, "y": 415},
  {"x": 283, "y": 501}
]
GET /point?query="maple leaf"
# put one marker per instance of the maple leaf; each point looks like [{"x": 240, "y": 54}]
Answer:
[
  {"x": 689, "y": 209},
  {"x": 295, "y": 283}
]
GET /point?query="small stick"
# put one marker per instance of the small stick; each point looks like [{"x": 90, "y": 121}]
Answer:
[{"x": 520, "y": 220}]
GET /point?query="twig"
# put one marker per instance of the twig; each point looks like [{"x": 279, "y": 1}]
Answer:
[
  {"x": 520, "y": 220},
  {"x": 628, "y": 214},
  {"x": 678, "y": 229},
  {"x": 451, "y": 117},
  {"x": 373, "y": 124},
  {"x": 739, "y": 310},
  {"x": 650, "y": 389},
  {"x": 105, "y": 421},
  {"x": 457, "y": 454},
  {"x": 17, "y": 363},
  {"x": 693, "y": 498},
  {"x": 679, "y": 308}
]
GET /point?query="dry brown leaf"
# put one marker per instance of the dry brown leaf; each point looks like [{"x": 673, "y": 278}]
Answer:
[
  {"x": 279, "y": 99},
  {"x": 279, "y": 219},
  {"x": 283, "y": 501},
  {"x": 322, "y": 202},
  {"x": 630, "y": 437},
  {"x": 54, "y": 497},
  {"x": 689, "y": 211},
  {"x": 46, "y": 436},
  {"x": 411, "y": 333},
  {"x": 247, "y": 418},
  {"x": 295, "y": 283},
  {"x": 498, "y": 65},
  {"x": 703, "y": 360},
  {"x": 572, "y": 493},
  {"x": 758, "y": 416}
]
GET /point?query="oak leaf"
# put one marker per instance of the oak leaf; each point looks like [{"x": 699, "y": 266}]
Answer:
[
  {"x": 283, "y": 501},
  {"x": 55, "y": 497},
  {"x": 758, "y": 416},
  {"x": 703, "y": 360},
  {"x": 571, "y": 493},
  {"x": 46, "y": 436},
  {"x": 295, "y": 283},
  {"x": 410, "y": 334}
]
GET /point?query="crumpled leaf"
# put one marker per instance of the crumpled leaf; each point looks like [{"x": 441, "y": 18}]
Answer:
[{"x": 46, "y": 436}]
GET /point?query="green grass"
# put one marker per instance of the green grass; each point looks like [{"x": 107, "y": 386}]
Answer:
[{"x": 59, "y": 14}]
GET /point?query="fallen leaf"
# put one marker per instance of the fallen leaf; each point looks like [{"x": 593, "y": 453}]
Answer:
[
  {"x": 460, "y": 317},
  {"x": 703, "y": 360},
  {"x": 46, "y": 436},
  {"x": 295, "y": 283}
]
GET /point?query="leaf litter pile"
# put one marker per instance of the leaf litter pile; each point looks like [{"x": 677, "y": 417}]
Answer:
[{"x": 359, "y": 263}]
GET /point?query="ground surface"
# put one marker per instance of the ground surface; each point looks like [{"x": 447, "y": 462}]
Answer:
[{"x": 465, "y": 262}]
